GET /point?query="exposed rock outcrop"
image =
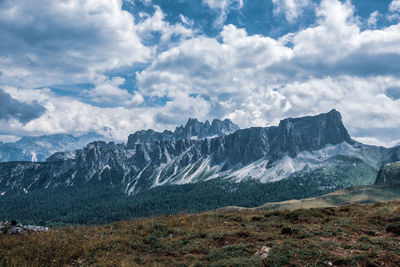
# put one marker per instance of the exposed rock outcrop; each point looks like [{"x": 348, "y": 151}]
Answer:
[
  {"x": 18, "y": 229},
  {"x": 389, "y": 174}
]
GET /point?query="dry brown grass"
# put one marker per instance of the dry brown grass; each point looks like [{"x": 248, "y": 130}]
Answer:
[{"x": 356, "y": 235}]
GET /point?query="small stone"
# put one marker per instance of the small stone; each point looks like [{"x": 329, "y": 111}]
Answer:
[
  {"x": 15, "y": 230},
  {"x": 263, "y": 252}
]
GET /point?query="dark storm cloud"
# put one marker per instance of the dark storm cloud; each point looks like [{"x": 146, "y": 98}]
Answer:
[{"x": 23, "y": 112}]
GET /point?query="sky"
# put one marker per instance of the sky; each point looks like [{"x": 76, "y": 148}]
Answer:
[{"x": 114, "y": 67}]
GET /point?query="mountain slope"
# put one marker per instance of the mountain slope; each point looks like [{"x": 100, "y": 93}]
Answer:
[
  {"x": 385, "y": 188},
  {"x": 299, "y": 158},
  {"x": 265, "y": 154}
]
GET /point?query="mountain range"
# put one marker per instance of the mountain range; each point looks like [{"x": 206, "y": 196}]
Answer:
[
  {"x": 217, "y": 162},
  {"x": 39, "y": 148}
]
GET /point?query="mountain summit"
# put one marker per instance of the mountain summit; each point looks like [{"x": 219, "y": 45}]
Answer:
[
  {"x": 200, "y": 152},
  {"x": 309, "y": 133},
  {"x": 193, "y": 129}
]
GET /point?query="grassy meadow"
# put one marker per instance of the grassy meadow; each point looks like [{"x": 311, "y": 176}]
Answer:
[{"x": 354, "y": 235}]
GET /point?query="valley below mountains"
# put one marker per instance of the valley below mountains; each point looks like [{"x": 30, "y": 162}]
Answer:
[{"x": 197, "y": 167}]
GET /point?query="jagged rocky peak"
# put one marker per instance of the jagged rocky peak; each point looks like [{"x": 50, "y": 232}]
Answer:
[
  {"x": 193, "y": 129},
  {"x": 199, "y": 130},
  {"x": 226, "y": 126},
  {"x": 149, "y": 136},
  {"x": 90, "y": 151}
]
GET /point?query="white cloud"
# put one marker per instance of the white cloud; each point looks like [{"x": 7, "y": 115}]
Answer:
[
  {"x": 157, "y": 23},
  {"x": 376, "y": 142},
  {"x": 202, "y": 64},
  {"x": 332, "y": 38},
  {"x": 180, "y": 108},
  {"x": 395, "y": 6},
  {"x": 292, "y": 9},
  {"x": 108, "y": 92},
  {"x": 373, "y": 19},
  {"x": 45, "y": 43},
  {"x": 66, "y": 114},
  {"x": 223, "y": 6},
  {"x": 52, "y": 42}
]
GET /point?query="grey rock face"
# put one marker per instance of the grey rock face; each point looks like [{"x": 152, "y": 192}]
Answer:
[
  {"x": 154, "y": 159},
  {"x": 308, "y": 133},
  {"x": 192, "y": 130}
]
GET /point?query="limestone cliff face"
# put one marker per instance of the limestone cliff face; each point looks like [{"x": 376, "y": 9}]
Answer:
[{"x": 308, "y": 133}]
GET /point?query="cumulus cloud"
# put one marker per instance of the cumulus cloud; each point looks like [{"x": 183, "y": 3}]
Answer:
[
  {"x": 157, "y": 23},
  {"x": 203, "y": 65},
  {"x": 52, "y": 42},
  {"x": 257, "y": 80},
  {"x": 57, "y": 42},
  {"x": 181, "y": 108},
  {"x": 108, "y": 92},
  {"x": 67, "y": 114},
  {"x": 11, "y": 108},
  {"x": 373, "y": 19},
  {"x": 395, "y": 6},
  {"x": 291, "y": 9}
]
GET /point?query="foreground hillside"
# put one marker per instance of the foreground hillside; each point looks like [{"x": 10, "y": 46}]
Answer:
[
  {"x": 358, "y": 235},
  {"x": 351, "y": 195}
]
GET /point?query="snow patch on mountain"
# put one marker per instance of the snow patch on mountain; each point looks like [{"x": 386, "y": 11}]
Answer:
[{"x": 34, "y": 158}]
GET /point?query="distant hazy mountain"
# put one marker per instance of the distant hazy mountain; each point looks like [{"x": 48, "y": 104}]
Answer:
[
  {"x": 39, "y": 148},
  {"x": 203, "y": 165}
]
